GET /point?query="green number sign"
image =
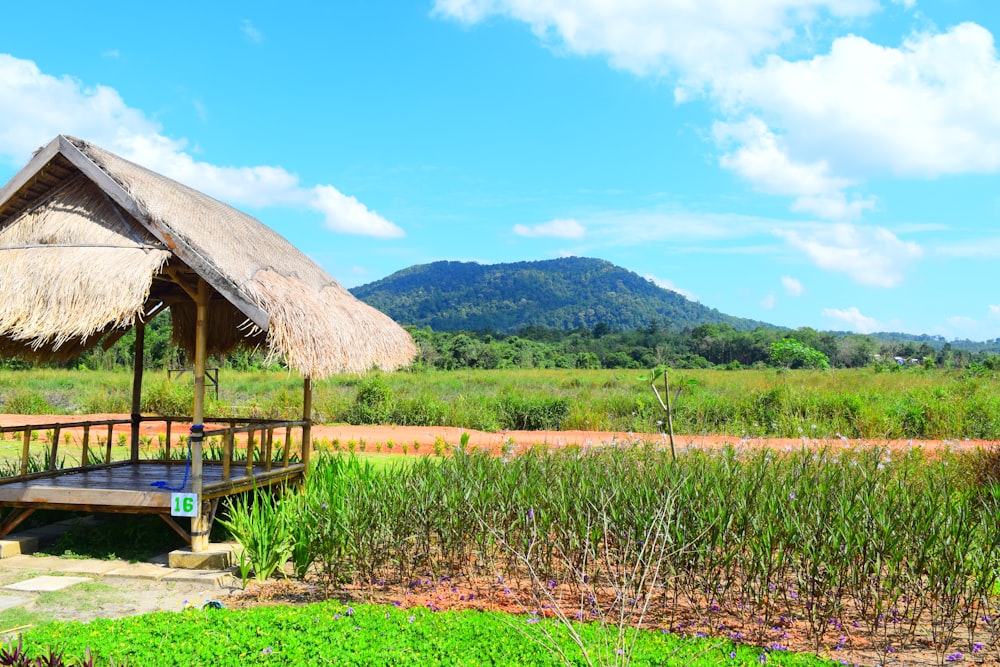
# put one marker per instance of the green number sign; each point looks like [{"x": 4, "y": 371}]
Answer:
[{"x": 183, "y": 504}]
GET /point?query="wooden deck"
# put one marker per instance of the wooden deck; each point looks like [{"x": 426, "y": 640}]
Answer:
[
  {"x": 128, "y": 487},
  {"x": 241, "y": 455}
]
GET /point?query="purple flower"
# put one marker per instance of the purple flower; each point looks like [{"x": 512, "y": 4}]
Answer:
[
  {"x": 349, "y": 611},
  {"x": 977, "y": 647},
  {"x": 410, "y": 619},
  {"x": 732, "y": 655},
  {"x": 762, "y": 659},
  {"x": 954, "y": 657},
  {"x": 267, "y": 651}
]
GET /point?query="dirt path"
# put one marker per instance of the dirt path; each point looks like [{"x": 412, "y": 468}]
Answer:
[{"x": 498, "y": 441}]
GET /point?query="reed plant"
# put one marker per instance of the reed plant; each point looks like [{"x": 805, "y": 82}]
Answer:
[{"x": 852, "y": 548}]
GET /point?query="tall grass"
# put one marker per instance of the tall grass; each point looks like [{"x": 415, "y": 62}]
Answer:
[{"x": 856, "y": 403}]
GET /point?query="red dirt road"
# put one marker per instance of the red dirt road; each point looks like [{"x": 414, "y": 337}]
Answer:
[{"x": 495, "y": 442}]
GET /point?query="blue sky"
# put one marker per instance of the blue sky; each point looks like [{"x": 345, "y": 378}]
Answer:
[{"x": 824, "y": 163}]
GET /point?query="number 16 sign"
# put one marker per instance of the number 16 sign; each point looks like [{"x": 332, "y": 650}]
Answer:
[{"x": 184, "y": 504}]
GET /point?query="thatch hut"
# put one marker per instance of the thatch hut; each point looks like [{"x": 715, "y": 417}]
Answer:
[{"x": 92, "y": 245}]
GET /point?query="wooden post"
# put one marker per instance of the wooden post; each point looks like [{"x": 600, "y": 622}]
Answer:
[
  {"x": 140, "y": 346},
  {"x": 199, "y": 524},
  {"x": 227, "y": 454},
  {"x": 268, "y": 443},
  {"x": 55, "y": 448},
  {"x": 307, "y": 402},
  {"x": 107, "y": 455},
  {"x": 166, "y": 454},
  {"x": 26, "y": 450},
  {"x": 288, "y": 445},
  {"x": 85, "y": 454}
]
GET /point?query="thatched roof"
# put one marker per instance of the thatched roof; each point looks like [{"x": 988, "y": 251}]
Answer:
[{"x": 91, "y": 243}]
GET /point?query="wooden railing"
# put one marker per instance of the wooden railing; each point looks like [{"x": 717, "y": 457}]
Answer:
[{"x": 224, "y": 438}]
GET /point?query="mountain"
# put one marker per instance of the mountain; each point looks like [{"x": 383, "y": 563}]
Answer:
[{"x": 559, "y": 293}]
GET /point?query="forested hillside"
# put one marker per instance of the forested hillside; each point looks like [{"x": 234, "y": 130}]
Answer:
[{"x": 566, "y": 294}]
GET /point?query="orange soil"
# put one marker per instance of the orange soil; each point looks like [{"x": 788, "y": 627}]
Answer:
[{"x": 495, "y": 442}]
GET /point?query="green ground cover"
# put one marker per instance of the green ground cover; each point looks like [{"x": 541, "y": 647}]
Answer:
[
  {"x": 371, "y": 635},
  {"x": 855, "y": 403}
]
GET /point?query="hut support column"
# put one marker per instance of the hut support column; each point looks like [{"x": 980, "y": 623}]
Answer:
[
  {"x": 307, "y": 399},
  {"x": 201, "y": 524},
  {"x": 140, "y": 346}
]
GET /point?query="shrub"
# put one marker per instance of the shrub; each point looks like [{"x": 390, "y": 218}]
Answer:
[
  {"x": 373, "y": 403},
  {"x": 27, "y": 402}
]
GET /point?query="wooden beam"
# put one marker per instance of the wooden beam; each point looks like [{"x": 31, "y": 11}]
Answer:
[
  {"x": 30, "y": 170},
  {"x": 14, "y": 519},
  {"x": 199, "y": 524},
  {"x": 137, "y": 367},
  {"x": 307, "y": 400},
  {"x": 169, "y": 520}
]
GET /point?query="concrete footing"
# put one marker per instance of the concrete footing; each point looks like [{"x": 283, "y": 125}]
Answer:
[{"x": 216, "y": 557}]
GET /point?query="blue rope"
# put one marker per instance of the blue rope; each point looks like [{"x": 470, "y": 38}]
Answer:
[{"x": 162, "y": 484}]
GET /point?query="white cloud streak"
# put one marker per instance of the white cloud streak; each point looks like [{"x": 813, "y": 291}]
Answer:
[
  {"x": 792, "y": 286},
  {"x": 251, "y": 32},
  {"x": 669, "y": 284},
  {"x": 852, "y": 319},
  {"x": 39, "y": 106},
  {"x": 559, "y": 228},
  {"x": 871, "y": 256}
]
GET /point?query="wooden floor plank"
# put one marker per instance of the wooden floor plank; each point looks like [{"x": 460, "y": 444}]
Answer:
[{"x": 129, "y": 486}]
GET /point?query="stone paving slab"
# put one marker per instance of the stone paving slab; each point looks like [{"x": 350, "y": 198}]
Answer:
[
  {"x": 47, "y": 563},
  {"x": 214, "y": 578},
  {"x": 12, "y": 601},
  {"x": 149, "y": 571},
  {"x": 46, "y": 583},
  {"x": 83, "y": 566}
]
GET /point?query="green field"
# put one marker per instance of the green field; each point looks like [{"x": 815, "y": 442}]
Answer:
[{"x": 855, "y": 403}]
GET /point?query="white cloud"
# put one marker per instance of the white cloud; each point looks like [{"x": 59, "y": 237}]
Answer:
[
  {"x": 656, "y": 36},
  {"x": 669, "y": 284},
  {"x": 768, "y": 301},
  {"x": 927, "y": 108},
  {"x": 251, "y": 32},
  {"x": 853, "y": 319},
  {"x": 810, "y": 127},
  {"x": 994, "y": 310},
  {"x": 871, "y": 256},
  {"x": 38, "y": 106},
  {"x": 346, "y": 214},
  {"x": 559, "y": 228},
  {"x": 792, "y": 286},
  {"x": 761, "y": 157}
]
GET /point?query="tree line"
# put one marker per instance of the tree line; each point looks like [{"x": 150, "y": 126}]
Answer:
[{"x": 602, "y": 346}]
